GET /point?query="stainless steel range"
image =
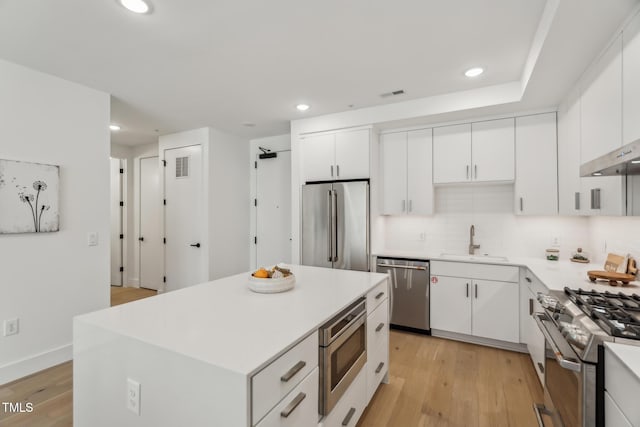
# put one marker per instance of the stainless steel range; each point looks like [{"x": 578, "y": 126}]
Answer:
[{"x": 575, "y": 324}]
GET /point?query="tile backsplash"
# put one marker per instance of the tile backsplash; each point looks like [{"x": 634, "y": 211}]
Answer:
[{"x": 498, "y": 231}]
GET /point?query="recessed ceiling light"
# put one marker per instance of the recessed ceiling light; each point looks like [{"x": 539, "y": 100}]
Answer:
[
  {"x": 474, "y": 72},
  {"x": 136, "y": 6},
  {"x": 597, "y": 174},
  {"x": 114, "y": 127},
  {"x": 302, "y": 107}
]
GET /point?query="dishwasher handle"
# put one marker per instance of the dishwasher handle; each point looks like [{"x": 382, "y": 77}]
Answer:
[{"x": 404, "y": 267}]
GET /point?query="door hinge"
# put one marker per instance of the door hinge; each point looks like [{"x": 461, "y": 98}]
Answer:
[
  {"x": 122, "y": 236},
  {"x": 164, "y": 202},
  {"x": 164, "y": 240},
  {"x": 121, "y": 203},
  {"x": 121, "y": 268},
  {"x": 255, "y": 202},
  {"x": 164, "y": 279},
  {"x": 255, "y": 240},
  {"x": 164, "y": 163},
  {"x": 255, "y": 164},
  {"x": 121, "y": 170}
]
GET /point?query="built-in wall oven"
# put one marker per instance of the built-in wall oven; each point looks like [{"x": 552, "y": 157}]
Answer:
[{"x": 343, "y": 353}]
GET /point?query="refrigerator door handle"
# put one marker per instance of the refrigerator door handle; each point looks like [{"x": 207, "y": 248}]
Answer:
[
  {"x": 329, "y": 235},
  {"x": 334, "y": 205}
]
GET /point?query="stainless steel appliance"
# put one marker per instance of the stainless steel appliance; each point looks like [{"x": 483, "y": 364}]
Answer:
[
  {"x": 409, "y": 292},
  {"x": 343, "y": 353},
  {"x": 575, "y": 324},
  {"x": 335, "y": 225}
]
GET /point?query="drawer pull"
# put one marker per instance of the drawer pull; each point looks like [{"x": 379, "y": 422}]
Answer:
[
  {"x": 379, "y": 327},
  {"x": 291, "y": 372},
  {"x": 541, "y": 368},
  {"x": 293, "y": 405},
  {"x": 346, "y": 420},
  {"x": 380, "y": 295},
  {"x": 379, "y": 368},
  {"x": 528, "y": 279}
]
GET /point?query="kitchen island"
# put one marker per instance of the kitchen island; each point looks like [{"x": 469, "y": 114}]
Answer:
[{"x": 197, "y": 356}]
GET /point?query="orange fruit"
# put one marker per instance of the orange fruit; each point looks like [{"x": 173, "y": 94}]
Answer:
[{"x": 262, "y": 274}]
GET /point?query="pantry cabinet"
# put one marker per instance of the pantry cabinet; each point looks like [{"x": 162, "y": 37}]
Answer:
[
  {"x": 406, "y": 165},
  {"x": 477, "y": 152},
  {"x": 335, "y": 156},
  {"x": 536, "y": 186}
]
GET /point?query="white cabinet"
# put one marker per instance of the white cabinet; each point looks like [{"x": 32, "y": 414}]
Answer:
[
  {"x": 631, "y": 81},
  {"x": 601, "y": 124},
  {"x": 613, "y": 415},
  {"x": 335, "y": 156},
  {"x": 377, "y": 347},
  {"x": 492, "y": 150},
  {"x": 531, "y": 335},
  {"x": 571, "y": 198},
  {"x": 406, "y": 163},
  {"x": 536, "y": 186},
  {"x": 478, "y": 152},
  {"x": 478, "y": 304},
  {"x": 621, "y": 382},
  {"x": 349, "y": 408},
  {"x": 299, "y": 408}
]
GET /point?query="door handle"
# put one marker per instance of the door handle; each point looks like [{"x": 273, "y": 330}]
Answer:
[
  {"x": 195, "y": 245},
  {"x": 335, "y": 224},
  {"x": 330, "y": 225},
  {"x": 141, "y": 239}
]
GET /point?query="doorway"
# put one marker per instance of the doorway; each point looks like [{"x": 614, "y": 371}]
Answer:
[
  {"x": 185, "y": 239},
  {"x": 150, "y": 239},
  {"x": 273, "y": 209},
  {"x": 117, "y": 229}
]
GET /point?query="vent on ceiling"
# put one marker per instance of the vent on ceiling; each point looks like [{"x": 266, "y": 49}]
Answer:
[
  {"x": 182, "y": 167},
  {"x": 392, "y": 93}
]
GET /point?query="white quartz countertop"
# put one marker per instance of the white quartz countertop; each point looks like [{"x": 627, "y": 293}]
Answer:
[
  {"x": 555, "y": 275},
  {"x": 225, "y": 324},
  {"x": 628, "y": 354}
]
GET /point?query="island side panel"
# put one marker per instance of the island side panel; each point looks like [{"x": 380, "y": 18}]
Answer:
[{"x": 175, "y": 390}]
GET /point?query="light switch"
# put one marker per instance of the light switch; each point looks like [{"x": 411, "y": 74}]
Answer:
[{"x": 92, "y": 238}]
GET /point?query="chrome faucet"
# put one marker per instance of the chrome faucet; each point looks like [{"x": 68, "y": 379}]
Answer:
[{"x": 472, "y": 247}]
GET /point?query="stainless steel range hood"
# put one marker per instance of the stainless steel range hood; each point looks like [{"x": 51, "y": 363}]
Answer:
[{"x": 621, "y": 161}]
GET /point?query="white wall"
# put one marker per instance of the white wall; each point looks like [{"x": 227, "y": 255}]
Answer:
[
  {"x": 614, "y": 234},
  {"x": 46, "y": 279}
]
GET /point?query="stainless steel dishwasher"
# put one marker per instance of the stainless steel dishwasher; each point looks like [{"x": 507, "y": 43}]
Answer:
[{"x": 409, "y": 292}]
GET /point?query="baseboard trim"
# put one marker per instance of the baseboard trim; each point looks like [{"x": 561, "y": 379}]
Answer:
[
  {"x": 36, "y": 363},
  {"x": 505, "y": 345}
]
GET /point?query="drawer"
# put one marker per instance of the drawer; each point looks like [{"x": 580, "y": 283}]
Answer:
[
  {"x": 377, "y": 295},
  {"x": 377, "y": 366},
  {"x": 299, "y": 408},
  {"x": 533, "y": 283},
  {"x": 623, "y": 386},
  {"x": 275, "y": 381},
  {"x": 378, "y": 326},
  {"x": 500, "y": 273},
  {"x": 613, "y": 416},
  {"x": 349, "y": 408}
]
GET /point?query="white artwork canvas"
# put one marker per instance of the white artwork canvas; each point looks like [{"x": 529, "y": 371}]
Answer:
[{"x": 28, "y": 197}]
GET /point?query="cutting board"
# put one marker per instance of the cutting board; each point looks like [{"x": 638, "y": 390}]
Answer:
[{"x": 612, "y": 276}]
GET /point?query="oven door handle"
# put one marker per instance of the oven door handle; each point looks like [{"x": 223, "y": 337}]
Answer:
[{"x": 562, "y": 361}]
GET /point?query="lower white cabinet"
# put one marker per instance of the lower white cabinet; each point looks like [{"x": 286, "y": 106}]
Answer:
[
  {"x": 531, "y": 335},
  {"x": 299, "y": 408},
  {"x": 613, "y": 416},
  {"x": 475, "y": 306},
  {"x": 377, "y": 347},
  {"x": 622, "y": 384},
  {"x": 349, "y": 408}
]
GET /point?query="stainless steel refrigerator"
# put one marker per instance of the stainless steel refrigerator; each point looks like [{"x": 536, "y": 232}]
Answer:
[{"x": 335, "y": 225}]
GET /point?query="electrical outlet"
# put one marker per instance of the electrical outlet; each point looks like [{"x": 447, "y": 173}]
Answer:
[
  {"x": 422, "y": 236},
  {"x": 11, "y": 327},
  {"x": 133, "y": 396},
  {"x": 92, "y": 238},
  {"x": 555, "y": 241}
]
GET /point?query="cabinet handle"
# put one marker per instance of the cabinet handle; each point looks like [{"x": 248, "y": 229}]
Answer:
[
  {"x": 530, "y": 306},
  {"x": 467, "y": 171},
  {"x": 380, "y": 295},
  {"x": 379, "y": 327},
  {"x": 403, "y": 205},
  {"x": 331, "y": 170},
  {"x": 476, "y": 285},
  {"x": 475, "y": 171},
  {"x": 577, "y": 200},
  {"x": 346, "y": 420},
  {"x": 379, "y": 368},
  {"x": 521, "y": 204},
  {"x": 291, "y": 372},
  {"x": 598, "y": 205},
  {"x": 467, "y": 290},
  {"x": 541, "y": 368},
  {"x": 595, "y": 198},
  {"x": 293, "y": 405},
  {"x": 338, "y": 170},
  {"x": 410, "y": 205},
  {"x": 528, "y": 279}
]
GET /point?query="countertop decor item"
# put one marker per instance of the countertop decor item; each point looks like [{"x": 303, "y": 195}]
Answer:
[
  {"x": 553, "y": 254},
  {"x": 580, "y": 256},
  {"x": 274, "y": 280},
  {"x": 612, "y": 273}
]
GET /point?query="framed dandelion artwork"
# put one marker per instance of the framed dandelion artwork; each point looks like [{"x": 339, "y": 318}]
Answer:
[{"x": 28, "y": 197}]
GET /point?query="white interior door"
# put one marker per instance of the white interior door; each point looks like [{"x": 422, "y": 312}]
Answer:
[
  {"x": 150, "y": 238},
  {"x": 116, "y": 222},
  {"x": 184, "y": 254},
  {"x": 273, "y": 210}
]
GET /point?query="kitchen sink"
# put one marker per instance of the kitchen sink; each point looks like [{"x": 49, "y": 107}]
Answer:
[{"x": 485, "y": 258}]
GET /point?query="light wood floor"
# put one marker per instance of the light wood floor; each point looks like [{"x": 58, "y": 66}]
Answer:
[{"x": 433, "y": 382}]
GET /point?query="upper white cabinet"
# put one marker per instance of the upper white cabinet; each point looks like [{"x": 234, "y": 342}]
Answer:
[
  {"x": 631, "y": 81},
  {"x": 405, "y": 158},
  {"x": 601, "y": 103},
  {"x": 536, "y": 187},
  {"x": 571, "y": 198},
  {"x": 478, "y": 152},
  {"x": 335, "y": 156}
]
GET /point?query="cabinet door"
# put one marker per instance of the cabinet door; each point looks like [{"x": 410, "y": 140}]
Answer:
[
  {"x": 495, "y": 312},
  {"x": 419, "y": 172},
  {"x": 571, "y": 198},
  {"x": 631, "y": 81},
  {"x": 452, "y": 154},
  {"x": 535, "y": 344},
  {"x": 352, "y": 154},
  {"x": 393, "y": 159},
  {"x": 536, "y": 188},
  {"x": 602, "y": 105},
  {"x": 611, "y": 199},
  {"x": 492, "y": 150},
  {"x": 451, "y": 304},
  {"x": 318, "y": 157},
  {"x": 300, "y": 406},
  {"x": 613, "y": 416}
]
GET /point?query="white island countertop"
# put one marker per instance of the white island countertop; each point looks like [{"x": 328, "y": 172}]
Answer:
[
  {"x": 225, "y": 324},
  {"x": 555, "y": 275},
  {"x": 628, "y": 354}
]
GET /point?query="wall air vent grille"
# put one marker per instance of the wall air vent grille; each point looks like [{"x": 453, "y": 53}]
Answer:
[{"x": 182, "y": 167}]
